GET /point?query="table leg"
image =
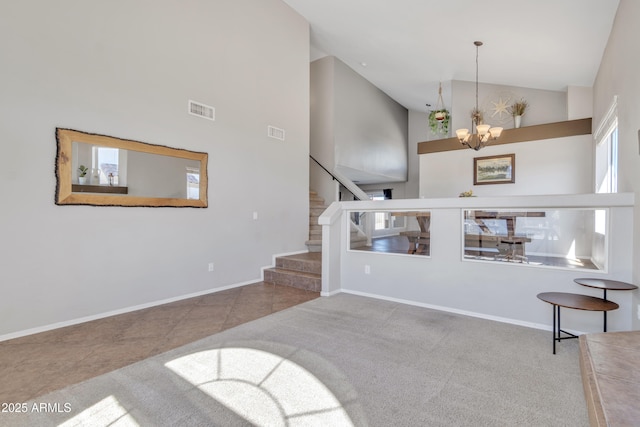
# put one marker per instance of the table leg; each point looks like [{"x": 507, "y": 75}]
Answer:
[
  {"x": 554, "y": 326},
  {"x": 605, "y": 313}
]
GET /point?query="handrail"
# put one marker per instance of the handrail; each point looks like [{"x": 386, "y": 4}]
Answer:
[
  {"x": 335, "y": 178},
  {"x": 365, "y": 227}
]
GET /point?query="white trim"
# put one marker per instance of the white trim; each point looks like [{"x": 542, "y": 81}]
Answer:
[
  {"x": 608, "y": 121},
  {"x": 531, "y": 325},
  {"x": 79, "y": 320},
  {"x": 332, "y": 293},
  {"x": 273, "y": 261}
]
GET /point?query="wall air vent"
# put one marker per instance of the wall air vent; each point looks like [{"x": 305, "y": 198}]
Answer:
[
  {"x": 274, "y": 132},
  {"x": 202, "y": 110}
]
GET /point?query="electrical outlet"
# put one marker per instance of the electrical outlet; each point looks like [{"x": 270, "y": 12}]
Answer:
[
  {"x": 367, "y": 269},
  {"x": 255, "y": 215},
  {"x": 210, "y": 266},
  {"x": 638, "y": 312}
]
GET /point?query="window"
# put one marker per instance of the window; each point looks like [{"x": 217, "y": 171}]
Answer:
[
  {"x": 383, "y": 220},
  {"x": 193, "y": 183},
  {"x": 563, "y": 238},
  {"x": 106, "y": 165},
  {"x": 606, "y": 154}
]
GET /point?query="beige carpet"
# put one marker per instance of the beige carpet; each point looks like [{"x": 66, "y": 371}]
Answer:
[{"x": 341, "y": 360}]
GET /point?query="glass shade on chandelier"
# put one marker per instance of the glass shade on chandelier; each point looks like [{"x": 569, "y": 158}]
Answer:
[
  {"x": 476, "y": 141},
  {"x": 484, "y": 133}
]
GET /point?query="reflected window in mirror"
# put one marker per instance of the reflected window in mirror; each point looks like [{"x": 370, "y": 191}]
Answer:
[{"x": 193, "y": 183}]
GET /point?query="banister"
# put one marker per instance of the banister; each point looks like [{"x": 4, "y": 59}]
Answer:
[{"x": 335, "y": 178}]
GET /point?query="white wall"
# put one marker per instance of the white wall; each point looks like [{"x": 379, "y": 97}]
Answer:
[
  {"x": 322, "y": 128},
  {"x": 618, "y": 75},
  {"x": 418, "y": 131},
  {"x": 545, "y": 106},
  {"x": 370, "y": 130},
  {"x": 357, "y": 129},
  {"x": 128, "y": 69},
  {"x": 553, "y": 166}
]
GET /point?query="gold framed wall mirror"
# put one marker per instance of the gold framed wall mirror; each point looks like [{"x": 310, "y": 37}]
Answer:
[{"x": 102, "y": 170}]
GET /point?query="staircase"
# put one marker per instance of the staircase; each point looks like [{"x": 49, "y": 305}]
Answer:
[
  {"x": 303, "y": 270},
  {"x": 316, "y": 207}
]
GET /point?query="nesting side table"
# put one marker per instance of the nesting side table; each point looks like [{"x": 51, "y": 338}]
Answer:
[
  {"x": 577, "y": 302},
  {"x": 605, "y": 284}
]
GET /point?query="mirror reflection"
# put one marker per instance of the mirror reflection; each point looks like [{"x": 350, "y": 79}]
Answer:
[{"x": 102, "y": 170}]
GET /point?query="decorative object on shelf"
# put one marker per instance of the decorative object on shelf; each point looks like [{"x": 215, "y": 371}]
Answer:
[
  {"x": 499, "y": 169},
  {"x": 95, "y": 176},
  {"x": 82, "y": 174},
  {"x": 517, "y": 110},
  {"x": 477, "y": 116},
  {"x": 439, "y": 118},
  {"x": 484, "y": 132},
  {"x": 466, "y": 194}
]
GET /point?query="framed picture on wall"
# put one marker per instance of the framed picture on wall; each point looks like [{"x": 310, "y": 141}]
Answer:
[{"x": 499, "y": 169}]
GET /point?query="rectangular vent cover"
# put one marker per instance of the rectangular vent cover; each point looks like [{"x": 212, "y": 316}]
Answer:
[
  {"x": 274, "y": 132},
  {"x": 202, "y": 110}
]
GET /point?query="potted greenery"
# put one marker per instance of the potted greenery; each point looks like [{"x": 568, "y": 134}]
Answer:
[
  {"x": 82, "y": 174},
  {"x": 439, "y": 121},
  {"x": 517, "y": 110}
]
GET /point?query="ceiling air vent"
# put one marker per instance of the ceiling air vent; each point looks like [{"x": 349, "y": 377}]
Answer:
[
  {"x": 202, "y": 110},
  {"x": 274, "y": 132}
]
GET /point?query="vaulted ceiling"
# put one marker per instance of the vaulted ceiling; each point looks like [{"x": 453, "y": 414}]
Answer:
[{"x": 406, "y": 47}]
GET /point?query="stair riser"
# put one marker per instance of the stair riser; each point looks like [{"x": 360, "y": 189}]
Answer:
[
  {"x": 288, "y": 279},
  {"x": 299, "y": 265}
]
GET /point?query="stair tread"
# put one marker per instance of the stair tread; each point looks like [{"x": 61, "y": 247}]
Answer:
[{"x": 294, "y": 272}]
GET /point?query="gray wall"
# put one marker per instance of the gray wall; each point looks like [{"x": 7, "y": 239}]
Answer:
[
  {"x": 128, "y": 69},
  {"x": 618, "y": 75},
  {"x": 322, "y": 127},
  {"x": 361, "y": 130},
  {"x": 545, "y": 106}
]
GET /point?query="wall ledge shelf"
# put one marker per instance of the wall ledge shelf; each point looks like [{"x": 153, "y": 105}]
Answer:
[
  {"x": 510, "y": 136},
  {"x": 81, "y": 188}
]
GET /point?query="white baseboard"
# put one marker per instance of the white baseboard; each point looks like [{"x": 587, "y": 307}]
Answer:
[
  {"x": 328, "y": 294},
  {"x": 455, "y": 310},
  {"x": 76, "y": 321},
  {"x": 273, "y": 260}
]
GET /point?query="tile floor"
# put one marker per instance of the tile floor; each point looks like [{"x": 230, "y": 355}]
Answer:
[{"x": 37, "y": 364}]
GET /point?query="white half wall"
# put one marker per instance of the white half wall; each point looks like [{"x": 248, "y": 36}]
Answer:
[{"x": 494, "y": 290}]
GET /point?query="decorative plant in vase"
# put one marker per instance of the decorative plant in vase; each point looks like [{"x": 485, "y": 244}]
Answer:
[
  {"x": 82, "y": 174},
  {"x": 439, "y": 121},
  {"x": 439, "y": 118},
  {"x": 517, "y": 110}
]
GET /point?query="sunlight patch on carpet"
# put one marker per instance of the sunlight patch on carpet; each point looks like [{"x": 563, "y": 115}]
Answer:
[
  {"x": 261, "y": 387},
  {"x": 107, "y": 412}
]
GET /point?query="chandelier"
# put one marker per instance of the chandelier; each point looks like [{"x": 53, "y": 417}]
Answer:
[{"x": 484, "y": 133}]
